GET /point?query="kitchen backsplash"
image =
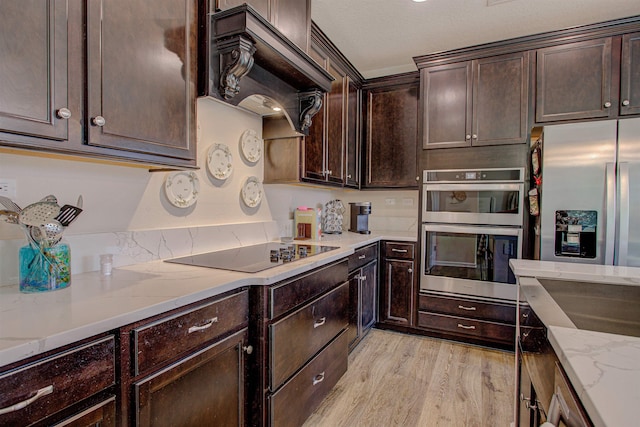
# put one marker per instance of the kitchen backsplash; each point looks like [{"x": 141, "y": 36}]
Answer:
[{"x": 127, "y": 213}]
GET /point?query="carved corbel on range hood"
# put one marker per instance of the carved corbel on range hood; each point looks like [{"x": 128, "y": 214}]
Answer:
[{"x": 247, "y": 56}]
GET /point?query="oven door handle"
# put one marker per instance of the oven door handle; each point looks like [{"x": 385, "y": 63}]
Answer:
[
  {"x": 471, "y": 229},
  {"x": 465, "y": 186}
]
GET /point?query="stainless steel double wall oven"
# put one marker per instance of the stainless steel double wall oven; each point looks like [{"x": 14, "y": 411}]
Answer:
[{"x": 471, "y": 227}]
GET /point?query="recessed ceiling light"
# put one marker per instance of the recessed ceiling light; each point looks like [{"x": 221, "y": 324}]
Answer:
[{"x": 419, "y": 1}]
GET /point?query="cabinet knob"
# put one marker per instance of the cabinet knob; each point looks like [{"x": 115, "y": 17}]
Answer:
[
  {"x": 417, "y": 178},
  {"x": 64, "y": 113},
  {"x": 467, "y": 137},
  {"x": 349, "y": 176},
  {"x": 410, "y": 270},
  {"x": 248, "y": 349},
  {"x": 98, "y": 121},
  {"x": 625, "y": 102},
  {"x": 329, "y": 172},
  {"x": 607, "y": 104},
  {"x": 474, "y": 136}
]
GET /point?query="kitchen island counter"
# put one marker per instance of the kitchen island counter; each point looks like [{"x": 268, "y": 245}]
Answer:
[
  {"x": 604, "y": 368},
  {"x": 31, "y": 324}
]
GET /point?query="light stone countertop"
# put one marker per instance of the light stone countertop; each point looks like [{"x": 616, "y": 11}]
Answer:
[
  {"x": 31, "y": 324},
  {"x": 603, "y": 368}
]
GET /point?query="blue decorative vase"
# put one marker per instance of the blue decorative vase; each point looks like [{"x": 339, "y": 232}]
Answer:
[{"x": 45, "y": 269}]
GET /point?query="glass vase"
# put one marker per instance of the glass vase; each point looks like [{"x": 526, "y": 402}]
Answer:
[{"x": 45, "y": 269}]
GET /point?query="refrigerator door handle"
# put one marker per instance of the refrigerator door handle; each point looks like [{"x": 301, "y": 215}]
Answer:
[
  {"x": 610, "y": 218},
  {"x": 623, "y": 238}
]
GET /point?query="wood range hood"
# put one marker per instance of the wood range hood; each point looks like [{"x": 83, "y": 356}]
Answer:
[{"x": 245, "y": 55}]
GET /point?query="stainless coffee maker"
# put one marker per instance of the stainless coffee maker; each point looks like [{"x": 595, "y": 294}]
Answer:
[{"x": 360, "y": 217}]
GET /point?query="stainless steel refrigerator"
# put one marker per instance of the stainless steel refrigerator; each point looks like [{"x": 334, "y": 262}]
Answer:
[{"x": 590, "y": 193}]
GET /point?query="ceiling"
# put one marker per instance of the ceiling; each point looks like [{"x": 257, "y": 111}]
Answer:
[{"x": 381, "y": 37}]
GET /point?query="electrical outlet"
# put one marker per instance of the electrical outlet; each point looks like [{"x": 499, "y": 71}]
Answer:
[
  {"x": 389, "y": 202},
  {"x": 8, "y": 188}
]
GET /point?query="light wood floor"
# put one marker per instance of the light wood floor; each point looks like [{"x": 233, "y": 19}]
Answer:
[{"x": 405, "y": 380}]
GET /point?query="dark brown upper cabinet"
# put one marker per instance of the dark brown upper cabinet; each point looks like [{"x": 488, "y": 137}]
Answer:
[
  {"x": 478, "y": 102},
  {"x": 574, "y": 81},
  {"x": 141, "y": 76},
  {"x": 331, "y": 150},
  {"x": 592, "y": 79},
  {"x": 630, "y": 75},
  {"x": 127, "y": 92},
  {"x": 352, "y": 141},
  {"x": 324, "y": 146},
  {"x": 291, "y": 17},
  {"x": 33, "y": 69},
  {"x": 391, "y": 131}
]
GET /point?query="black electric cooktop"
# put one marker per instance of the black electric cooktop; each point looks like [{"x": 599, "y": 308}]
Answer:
[{"x": 251, "y": 259}]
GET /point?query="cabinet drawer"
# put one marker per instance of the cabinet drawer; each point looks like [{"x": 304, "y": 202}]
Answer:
[
  {"x": 167, "y": 338},
  {"x": 500, "y": 312},
  {"x": 59, "y": 380},
  {"x": 363, "y": 256},
  {"x": 296, "y": 338},
  {"x": 293, "y": 293},
  {"x": 487, "y": 331},
  {"x": 298, "y": 398},
  {"x": 398, "y": 250}
]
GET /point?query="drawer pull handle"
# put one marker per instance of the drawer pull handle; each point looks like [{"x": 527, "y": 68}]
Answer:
[
  {"x": 207, "y": 325},
  {"x": 319, "y": 322},
  {"x": 465, "y": 327},
  {"x": 362, "y": 257},
  {"x": 20, "y": 405},
  {"x": 402, "y": 251},
  {"x": 318, "y": 378},
  {"x": 462, "y": 307}
]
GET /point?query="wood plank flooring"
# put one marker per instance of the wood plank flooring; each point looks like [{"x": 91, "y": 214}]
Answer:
[{"x": 405, "y": 380}]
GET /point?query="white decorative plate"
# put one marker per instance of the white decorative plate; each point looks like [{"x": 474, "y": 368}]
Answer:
[
  {"x": 252, "y": 192},
  {"x": 220, "y": 161},
  {"x": 182, "y": 188},
  {"x": 251, "y": 145}
]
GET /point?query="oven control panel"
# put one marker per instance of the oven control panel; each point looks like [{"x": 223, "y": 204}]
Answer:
[{"x": 466, "y": 175}]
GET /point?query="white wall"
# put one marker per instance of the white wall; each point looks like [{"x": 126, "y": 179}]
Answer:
[
  {"x": 121, "y": 198},
  {"x": 130, "y": 199}
]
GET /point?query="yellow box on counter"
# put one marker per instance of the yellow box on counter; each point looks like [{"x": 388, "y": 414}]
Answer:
[{"x": 307, "y": 223}]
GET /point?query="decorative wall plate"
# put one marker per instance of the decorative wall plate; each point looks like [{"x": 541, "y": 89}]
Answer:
[
  {"x": 220, "y": 161},
  {"x": 251, "y": 145},
  {"x": 252, "y": 192},
  {"x": 182, "y": 188}
]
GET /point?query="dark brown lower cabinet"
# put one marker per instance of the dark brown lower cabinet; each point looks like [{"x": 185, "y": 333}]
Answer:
[
  {"x": 363, "y": 292},
  {"x": 466, "y": 318},
  {"x": 101, "y": 415},
  {"x": 206, "y": 388},
  {"x": 59, "y": 386},
  {"x": 397, "y": 283},
  {"x": 301, "y": 345},
  {"x": 292, "y": 404},
  {"x": 363, "y": 301}
]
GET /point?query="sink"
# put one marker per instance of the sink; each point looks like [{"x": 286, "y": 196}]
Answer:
[{"x": 598, "y": 307}]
